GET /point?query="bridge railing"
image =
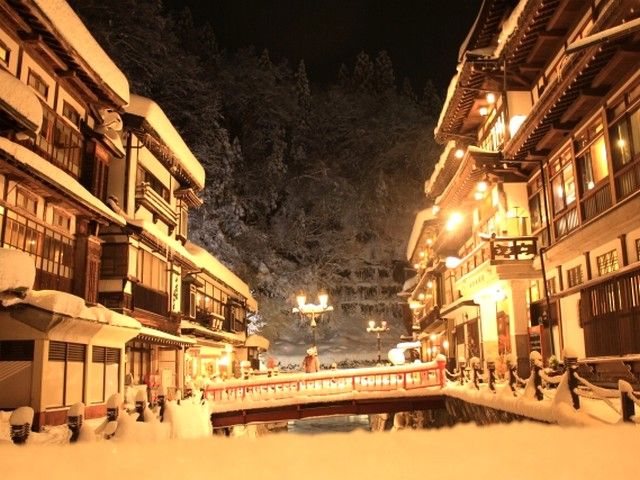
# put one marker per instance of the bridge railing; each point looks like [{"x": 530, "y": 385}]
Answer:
[{"x": 331, "y": 382}]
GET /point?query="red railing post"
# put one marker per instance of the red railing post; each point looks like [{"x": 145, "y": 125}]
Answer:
[{"x": 442, "y": 363}]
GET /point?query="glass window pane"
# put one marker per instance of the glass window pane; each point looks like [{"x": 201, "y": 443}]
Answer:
[{"x": 620, "y": 144}]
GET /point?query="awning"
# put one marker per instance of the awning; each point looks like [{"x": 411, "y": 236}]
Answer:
[
  {"x": 153, "y": 335},
  {"x": 436, "y": 327},
  {"x": 193, "y": 328},
  {"x": 257, "y": 341}
]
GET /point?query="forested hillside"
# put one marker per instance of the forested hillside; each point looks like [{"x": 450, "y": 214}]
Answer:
[{"x": 308, "y": 185}]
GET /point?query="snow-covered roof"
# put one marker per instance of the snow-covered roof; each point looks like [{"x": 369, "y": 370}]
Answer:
[
  {"x": 200, "y": 257},
  {"x": 421, "y": 217},
  {"x": 447, "y": 100},
  {"x": 152, "y": 332},
  {"x": 232, "y": 337},
  {"x": 69, "y": 27},
  {"x": 21, "y": 98},
  {"x": 211, "y": 264},
  {"x": 153, "y": 114},
  {"x": 255, "y": 340},
  {"x": 61, "y": 179},
  {"x": 73, "y": 306},
  {"x": 439, "y": 166},
  {"x": 508, "y": 27},
  {"x": 17, "y": 270}
]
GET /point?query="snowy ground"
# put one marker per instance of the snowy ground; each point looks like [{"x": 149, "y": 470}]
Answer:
[{"x": 523, "y": 451}]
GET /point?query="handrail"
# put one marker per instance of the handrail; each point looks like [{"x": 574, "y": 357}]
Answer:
[{"x": 380, "y": 379}]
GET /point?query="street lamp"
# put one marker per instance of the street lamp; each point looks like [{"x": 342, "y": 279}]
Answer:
[
  {"x": 378, "y": 329},
  {"x": 312, "y": 310}
]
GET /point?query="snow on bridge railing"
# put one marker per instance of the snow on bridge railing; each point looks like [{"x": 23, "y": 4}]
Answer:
[{"x": 328, "y": 382}]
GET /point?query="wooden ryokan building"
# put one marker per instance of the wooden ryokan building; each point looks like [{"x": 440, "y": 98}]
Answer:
[{"x": 535, "y": 196}]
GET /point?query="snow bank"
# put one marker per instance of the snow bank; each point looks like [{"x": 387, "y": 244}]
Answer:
[
  {"x": 190, "y": 419},
  {"x": 58, "y": 177},
  {"x": 152, "y": 113},
  {"x": 21, "y": 98},
  {"x": 17, "y": 270},
  {"x": 520, "y": 450},
  {"x": 68, "y": 26}
]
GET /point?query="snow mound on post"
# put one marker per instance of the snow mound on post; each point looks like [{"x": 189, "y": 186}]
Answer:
[
  {"x": 76, "y": 410},
  {"x": 21, "y": 415},
  {"x": 17, "y": 270}
]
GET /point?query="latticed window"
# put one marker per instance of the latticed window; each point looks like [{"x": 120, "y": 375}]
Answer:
[
  {"x": 638, "y": 249},
  {"x": 608, "y": 262},
  {"x": 574, "y": 276}
]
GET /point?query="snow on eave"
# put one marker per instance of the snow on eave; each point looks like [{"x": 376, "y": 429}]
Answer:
[
  {"x": 442, "y": 160},
  {"x": 451, "y": 90},
  {"x": 509, "y": 26},
  {"x": 20, "y": 98},
  {"x": 68, "y": 26},
  {"x": 418, "y": 224},
  {"x": 160, "y": 123},
  {"x": 213, "y": 266},
  {"x": 152, "y": 332},
  {"x": 61, "y": 179},
  {"x": 201, "y": 258}
]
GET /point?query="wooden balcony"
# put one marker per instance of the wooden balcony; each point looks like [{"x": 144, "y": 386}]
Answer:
[
  {"x": 500, "y": 258},
  {"x": 150, "y": 300},
  {"x": 158, "y": 206},
  {"x": 595, "y": 201}
]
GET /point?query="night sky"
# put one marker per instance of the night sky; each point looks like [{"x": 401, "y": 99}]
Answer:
[{"x": 421, "y": 36}]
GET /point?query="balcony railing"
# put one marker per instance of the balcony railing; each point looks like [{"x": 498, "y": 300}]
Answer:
[
  {"x": 595, "y": 202},
  {"x": 628, "y": 180},
  {"x": 149, "y": 300},
  {"x": 566, "y": 222},
  {"x": 498, "y": 250},
  {"x": 148, "y": 197},
  {"x": 513, "y": 248}
]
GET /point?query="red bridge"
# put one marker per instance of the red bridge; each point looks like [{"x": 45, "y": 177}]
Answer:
[{"x": 330, "y": 392}]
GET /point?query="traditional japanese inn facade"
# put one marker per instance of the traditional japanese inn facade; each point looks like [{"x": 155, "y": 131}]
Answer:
[
  {"x": 532, "y": 239},
  {"x": 95, "y": 189}
]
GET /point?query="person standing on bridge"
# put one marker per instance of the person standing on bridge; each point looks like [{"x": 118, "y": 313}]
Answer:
[{"x": 310, "y": 362}]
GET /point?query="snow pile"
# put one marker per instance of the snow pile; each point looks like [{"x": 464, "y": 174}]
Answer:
[
  {"x": 58, "y": 177},
  {"x": 190, "y": 419},
  {"x": 68, "y": 26},
  {"x": 56, "y": 301},
  {"x": 17, "y": 270},
  {"x": 520, "y": 450},
  {"x": 21, "y": 98},
  {"x": 153, "y": 114},
  {"x": 104, "y": 315},
  {"x": 21, "y": 415}
]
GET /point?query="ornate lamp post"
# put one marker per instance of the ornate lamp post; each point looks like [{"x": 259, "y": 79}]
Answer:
[
  {"x": 378, "y": 329},
  {"x": 312, "y": 310}
]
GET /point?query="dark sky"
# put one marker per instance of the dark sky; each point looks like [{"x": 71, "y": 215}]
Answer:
[{"x": 421, "y": 36}]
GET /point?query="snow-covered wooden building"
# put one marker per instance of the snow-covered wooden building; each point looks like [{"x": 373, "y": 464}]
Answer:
[
  {"x": 537, "y": 243},
  {"x": 152, "y": 272},
  {"x": 58, "y": 139}
]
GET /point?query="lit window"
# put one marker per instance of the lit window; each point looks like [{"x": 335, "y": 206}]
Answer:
[
  {"x": 608, "y": 262},
  {"x": 593, "y": 165},
  {"x": 5, "y": 54}
]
